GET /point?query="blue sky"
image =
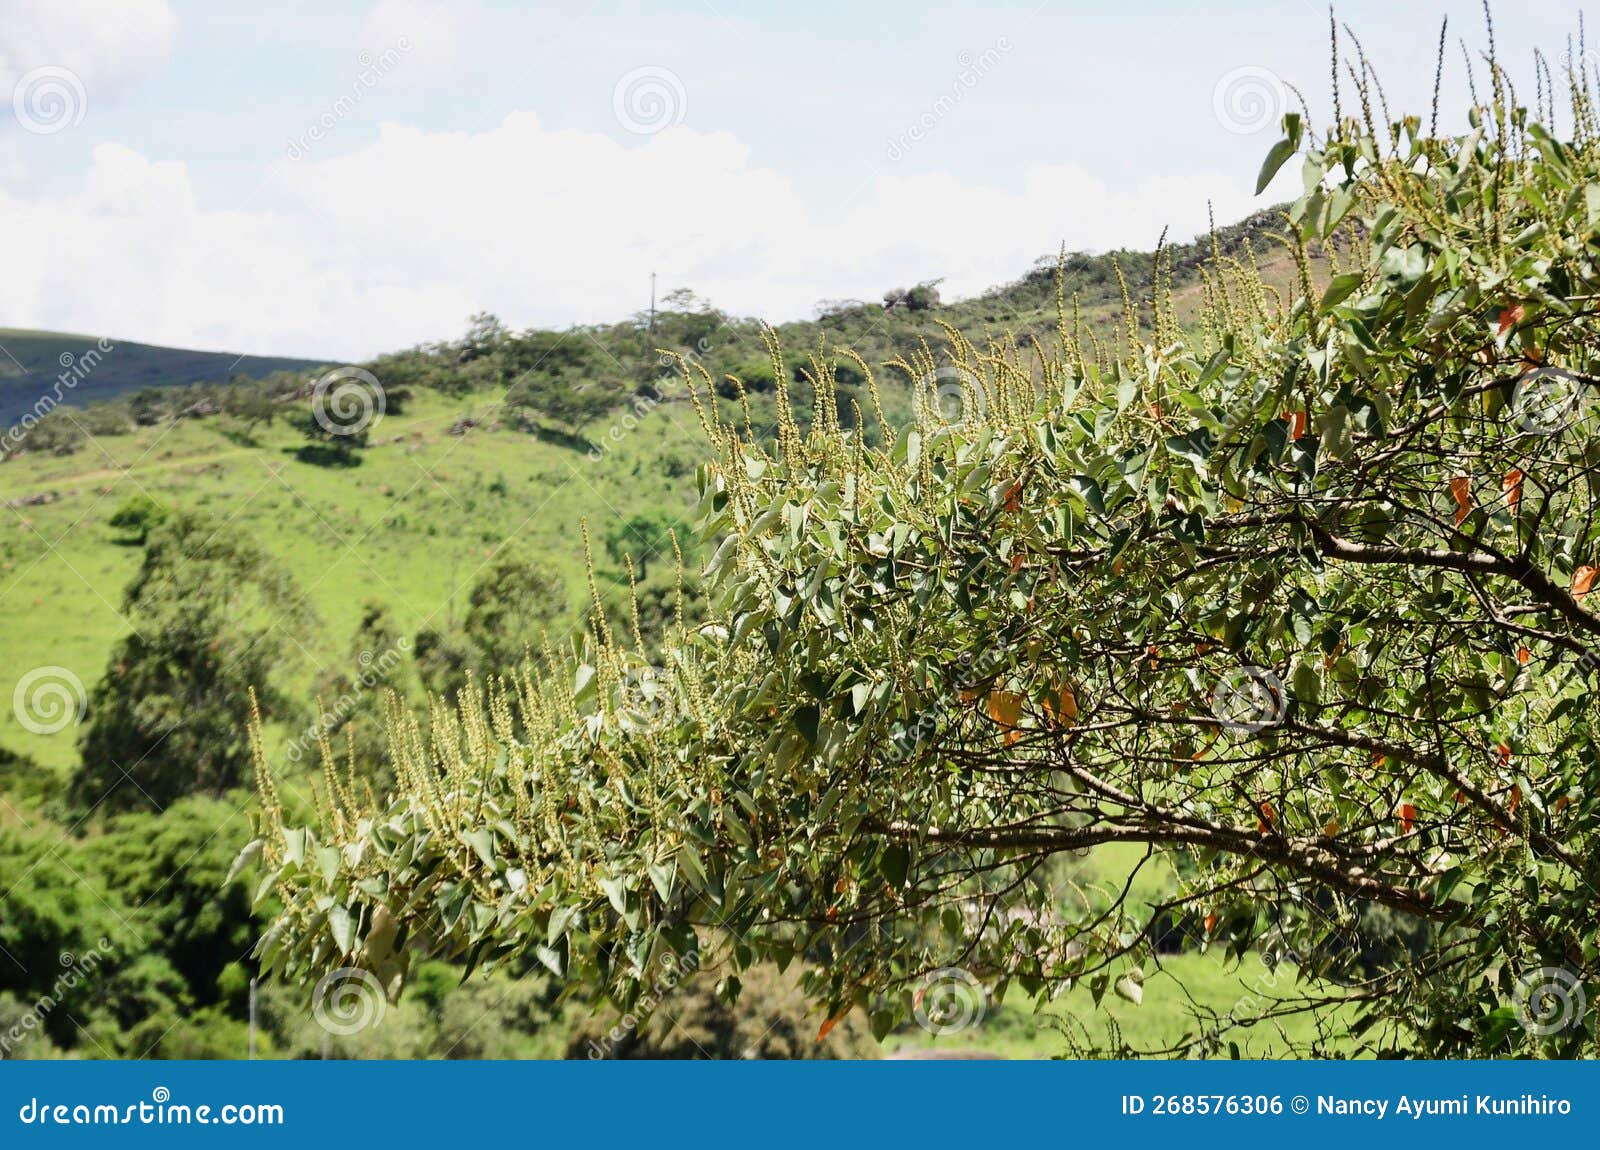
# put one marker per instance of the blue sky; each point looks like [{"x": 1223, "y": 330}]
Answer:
[{"x": 337, "y": 179}]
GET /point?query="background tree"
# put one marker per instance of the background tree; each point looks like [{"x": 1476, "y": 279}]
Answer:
[
  {"x": 645, "y": 537},
  {"x": 137, "y": 517},
  {"x": 510, "y": 607},
  {"x": 329, "y": 444},
  {"x": 211, "y": 615}
]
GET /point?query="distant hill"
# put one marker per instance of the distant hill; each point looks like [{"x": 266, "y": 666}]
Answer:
[{"x": 31, "y": 361}]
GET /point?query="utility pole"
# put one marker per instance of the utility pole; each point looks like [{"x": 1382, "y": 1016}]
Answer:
[{"x": 652, "y": 302}]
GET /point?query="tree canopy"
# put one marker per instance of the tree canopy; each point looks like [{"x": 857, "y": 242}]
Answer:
[{"x": 1288, "y": 587}]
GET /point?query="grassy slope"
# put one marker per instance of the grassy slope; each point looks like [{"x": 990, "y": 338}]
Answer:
[
  {"x": 1181, "y": 999},
  {"x": 409, "y": 527},
  {"x": 31, "y": 360}
]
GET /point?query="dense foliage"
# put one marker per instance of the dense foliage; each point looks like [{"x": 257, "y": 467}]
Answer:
[{"x": 1295, "y": 593}]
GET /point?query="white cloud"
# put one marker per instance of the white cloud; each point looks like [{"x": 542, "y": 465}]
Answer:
[
  {"x": 108, "y": 44},
  {"x": 401, "y": 240}
]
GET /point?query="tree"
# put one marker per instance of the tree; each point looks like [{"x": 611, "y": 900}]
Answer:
[
  {"x": 137, "y": 517},
  {"x": 1297, "y": 595},
  {"x": 212, "y": 615},
  {"x": 562, "y": 379},
  {"x": 510, "y": 607},
  {"x": 642, "y": 537},
  {"x": 249, "y": 403},
  {"x": 329, "y": 443}
]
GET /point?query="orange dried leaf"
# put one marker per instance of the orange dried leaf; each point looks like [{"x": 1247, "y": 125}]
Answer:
[
  {"x": 1297, "y": 424},
  {"x": 1269, "y": 818},
  {"x": 1523, "y": 655},
  {"x": 1005, "y": 707},
  {"x": 1211, "y": 922},
  {"x": 1509, "y": 318},
  {"x": 827, "y": 1028},
  {"x": 1582, "y": 580},
  {"x": 1331, "y": 828},
  {"x": 1512, "y": 484},
  {"x": 1408, "y": 818},
  {"x": 1061, "y": 707},
  {"x": 1461, "y": 491}
]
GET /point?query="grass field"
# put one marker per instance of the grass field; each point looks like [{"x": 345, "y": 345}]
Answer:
[
  {"x": 1182, "y": 999},
  {"x": 409, "y": 527}
]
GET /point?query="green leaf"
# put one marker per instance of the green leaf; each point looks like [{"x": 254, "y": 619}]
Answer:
[
  {"x": 339, "y": 922},
  {"x": 482, "y": 843},
  {"x": 807, "y": 720},
  {"x": 895, "y": 864},
  {"x": 1131, "y": 986},
  {"x": 1280, "y": 153},
  {"x": 245, "y": 858},
  {"x": 1339, "y": 288}
]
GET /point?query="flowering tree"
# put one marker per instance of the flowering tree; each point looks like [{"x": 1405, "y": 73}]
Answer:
[{"x": 1291, "y": 590}]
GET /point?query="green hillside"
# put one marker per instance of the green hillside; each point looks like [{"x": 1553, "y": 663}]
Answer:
[
  {"x": 32, "y": 361},
  {"x": 551, "y": 453}
]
